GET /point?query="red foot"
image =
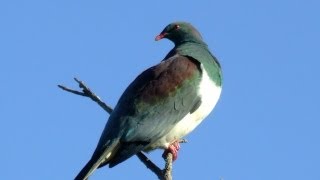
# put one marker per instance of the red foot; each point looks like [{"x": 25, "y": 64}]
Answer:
[{"x": 173, "y": 149}]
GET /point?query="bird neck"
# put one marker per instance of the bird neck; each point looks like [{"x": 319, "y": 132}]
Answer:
[
  {"x": 201, "y": 53},
  {"x": 190, "y": 41},
  {"x": 191, "y": 47}
]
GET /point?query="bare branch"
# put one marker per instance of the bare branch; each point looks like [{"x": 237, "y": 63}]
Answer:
[
  {"x": 150, "y": 165},
  {"x": 168, "y": 167},
  {"x": 164, "y": 174},
  {"x": 88, "y": 93}
]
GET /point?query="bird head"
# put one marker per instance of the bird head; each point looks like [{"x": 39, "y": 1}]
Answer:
[{"x": 180, "y": 32}]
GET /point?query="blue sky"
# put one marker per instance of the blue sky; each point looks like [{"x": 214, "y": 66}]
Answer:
[{"x": 265, "y": 126}]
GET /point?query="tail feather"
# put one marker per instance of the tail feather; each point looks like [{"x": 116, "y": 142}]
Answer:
[
  {"x": 96, "y": 160},
  {"x": 125, "y": 153},
  {"x": 86, "y": 171}
]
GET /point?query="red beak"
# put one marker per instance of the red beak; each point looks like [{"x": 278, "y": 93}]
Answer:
[{"x": 160, "y": 36}]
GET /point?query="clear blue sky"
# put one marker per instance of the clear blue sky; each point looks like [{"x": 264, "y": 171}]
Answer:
[{"x": 265, "y": 126}]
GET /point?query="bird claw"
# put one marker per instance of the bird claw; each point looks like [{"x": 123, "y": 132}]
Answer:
[{"x": 173, "y": 149}]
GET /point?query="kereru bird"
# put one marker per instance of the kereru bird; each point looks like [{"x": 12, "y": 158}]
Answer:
[{"x": 163, "y": 104}]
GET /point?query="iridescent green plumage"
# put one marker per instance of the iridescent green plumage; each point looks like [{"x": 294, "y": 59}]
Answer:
[
  {"x": 189, "y": 42},
  {"x": 164, "y": 103}
]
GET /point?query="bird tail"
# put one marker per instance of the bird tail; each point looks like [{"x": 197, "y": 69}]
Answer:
[{"x": 97, "y": 158}]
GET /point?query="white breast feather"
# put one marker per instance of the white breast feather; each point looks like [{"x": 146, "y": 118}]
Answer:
[{"x": 209, "y": 93}]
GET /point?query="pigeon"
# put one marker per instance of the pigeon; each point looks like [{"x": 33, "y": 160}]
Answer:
[{"x": 163, "y": 104}]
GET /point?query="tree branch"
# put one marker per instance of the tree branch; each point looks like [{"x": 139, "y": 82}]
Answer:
[
  {"x": 86, "y": 92},
  {"x": 166, "y": 173},
  {"x": 150, "y": 165}
]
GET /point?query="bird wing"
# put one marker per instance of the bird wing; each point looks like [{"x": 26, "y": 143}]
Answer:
[
  {"x": 148, "y": 109},
  {"x": 151, "y": 106}
]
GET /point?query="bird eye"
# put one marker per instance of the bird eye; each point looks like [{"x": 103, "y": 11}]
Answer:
[{"x": 173, "y": 28}]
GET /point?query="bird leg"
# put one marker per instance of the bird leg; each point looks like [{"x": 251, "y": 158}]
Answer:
[{"x": 173, "y": 149}]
